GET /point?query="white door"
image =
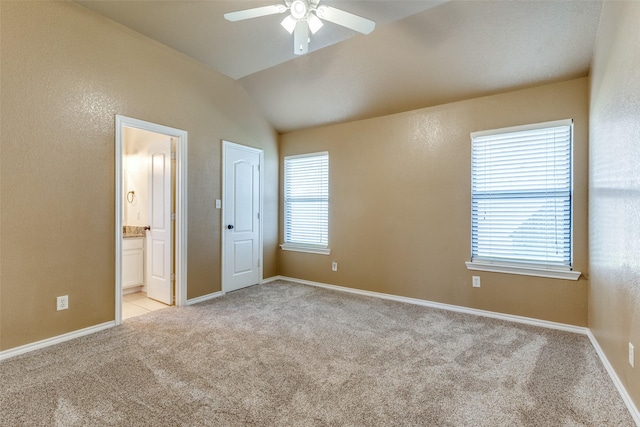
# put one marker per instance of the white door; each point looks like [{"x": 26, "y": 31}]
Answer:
[
  {"x": 241, "y": 216},
  {"x": 159, "y": 238}
]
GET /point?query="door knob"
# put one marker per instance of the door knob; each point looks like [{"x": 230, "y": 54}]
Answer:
[{"x": 230, "y": 227}]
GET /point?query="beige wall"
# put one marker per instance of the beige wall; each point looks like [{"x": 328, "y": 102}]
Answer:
[
  {"x": 66, "y": 72},
  {"x": 614, "y": 179},
  {"x": 400, "y": 204}
]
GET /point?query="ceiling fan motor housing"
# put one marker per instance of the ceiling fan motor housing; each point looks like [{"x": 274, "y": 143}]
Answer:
[{"x": 299, "y": 9}]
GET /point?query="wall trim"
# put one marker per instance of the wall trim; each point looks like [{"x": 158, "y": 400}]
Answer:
[
  {"x": 633, "y": 410},
  {"x": 449, "y": 307},
  {"x": 271, "y": 279},
  {"x": 551, "y": 273},
  {"x": 204, "y": 298},
  {"x": 55, "y": 340}
]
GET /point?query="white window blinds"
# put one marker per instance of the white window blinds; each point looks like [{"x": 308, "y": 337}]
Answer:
[
  {"x": 306, "y": 199},
  {"x": 522, "y": 195}
]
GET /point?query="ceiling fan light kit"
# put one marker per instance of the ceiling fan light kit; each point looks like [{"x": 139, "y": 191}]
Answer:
[
  {"x": 314, "y": 23},
  {"x": 305, "y": 17},
  {"x": 289, "y": 24}
]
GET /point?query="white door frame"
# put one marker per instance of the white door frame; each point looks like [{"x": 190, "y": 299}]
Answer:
[
  {"x": 181, "y": 206},
  {"x": 225, "y": 146}
]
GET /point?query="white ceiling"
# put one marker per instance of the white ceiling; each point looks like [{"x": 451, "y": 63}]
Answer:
[{"x": 421, "y": 53}]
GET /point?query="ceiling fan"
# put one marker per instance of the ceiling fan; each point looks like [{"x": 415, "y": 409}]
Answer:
[{"x": 306, "y": 16}]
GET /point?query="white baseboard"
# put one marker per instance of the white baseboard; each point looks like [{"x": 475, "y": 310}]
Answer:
[
  {"x": 508, "y": 317},
  {"x": 133, "y": 290},
  {"x": 449, "y": 307},
  {"x": 204, "y": 298},
  {"x": 55, "y": 340},
  {"x": 271, "y": 279},
  {"x": 633, "y": 410}
]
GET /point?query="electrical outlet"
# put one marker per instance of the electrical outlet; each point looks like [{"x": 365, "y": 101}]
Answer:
[
  {"x": 631, "y": 355},
  {"x": 475, "y": 280},
  {"x": 334, "y": 266},
  {"x": 62, "y": 302}
]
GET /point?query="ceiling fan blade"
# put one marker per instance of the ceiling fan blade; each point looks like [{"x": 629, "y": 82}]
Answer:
[
  {"x": 346, "y": 19},
  {"x": 301, "y": 38},
  {"x": 255, "y": 12}
]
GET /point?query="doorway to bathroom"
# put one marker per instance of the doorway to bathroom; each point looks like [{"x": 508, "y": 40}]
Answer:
[{"x": 150, "y": 217}]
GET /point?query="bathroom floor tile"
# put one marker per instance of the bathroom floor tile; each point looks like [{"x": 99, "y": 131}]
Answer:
[
  {"x": 137, "y": 304},
  {"x": 134, "y": 296},
  {"x": 149, "y": 304},
  {"x": 129, "y": 310}
]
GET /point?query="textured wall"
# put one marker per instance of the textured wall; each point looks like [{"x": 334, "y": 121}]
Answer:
[
  {"x": 66, "y": 72},
  {"x": 614, "y": 193},
  {"x": 400, "y": 204}
]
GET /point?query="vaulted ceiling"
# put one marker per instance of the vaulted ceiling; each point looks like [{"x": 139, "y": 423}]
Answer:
[{"x": 421, "y": 53}]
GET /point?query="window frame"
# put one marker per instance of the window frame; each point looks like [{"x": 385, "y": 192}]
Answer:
[
  {"x": 297, "y": 246},
  {"x": 526, "y": 268}
]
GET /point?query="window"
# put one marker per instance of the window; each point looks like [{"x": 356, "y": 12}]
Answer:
[
  {"x": 521, "y": 200},
  {"x": 306, "y": 203}
]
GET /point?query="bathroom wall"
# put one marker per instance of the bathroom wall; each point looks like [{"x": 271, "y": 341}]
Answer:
[
  {"x": 136, "y": 184},
  {"x": 136, "y": 175},
  {"x": 66, "y": 73}
]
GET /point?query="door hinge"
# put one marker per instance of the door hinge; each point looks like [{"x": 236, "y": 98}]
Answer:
[
  {"x": 258, "y": 262},
  {"x": 173, "y": 216},
  {"x": 173, "y": 155},
  {"x": 173, "y": 277},
  {"x": 258, "y": 215}
]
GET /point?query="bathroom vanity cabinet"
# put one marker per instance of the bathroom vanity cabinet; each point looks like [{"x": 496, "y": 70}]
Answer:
[{"x": 132, "y": 262}]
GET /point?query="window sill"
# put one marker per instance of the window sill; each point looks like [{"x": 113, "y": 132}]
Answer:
[
  {"x": 303, "y": 248},
  {"x": 523, "y": 270}
]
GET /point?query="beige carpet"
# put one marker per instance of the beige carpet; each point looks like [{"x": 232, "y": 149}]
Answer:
[{"x": 285, "y": 354}]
